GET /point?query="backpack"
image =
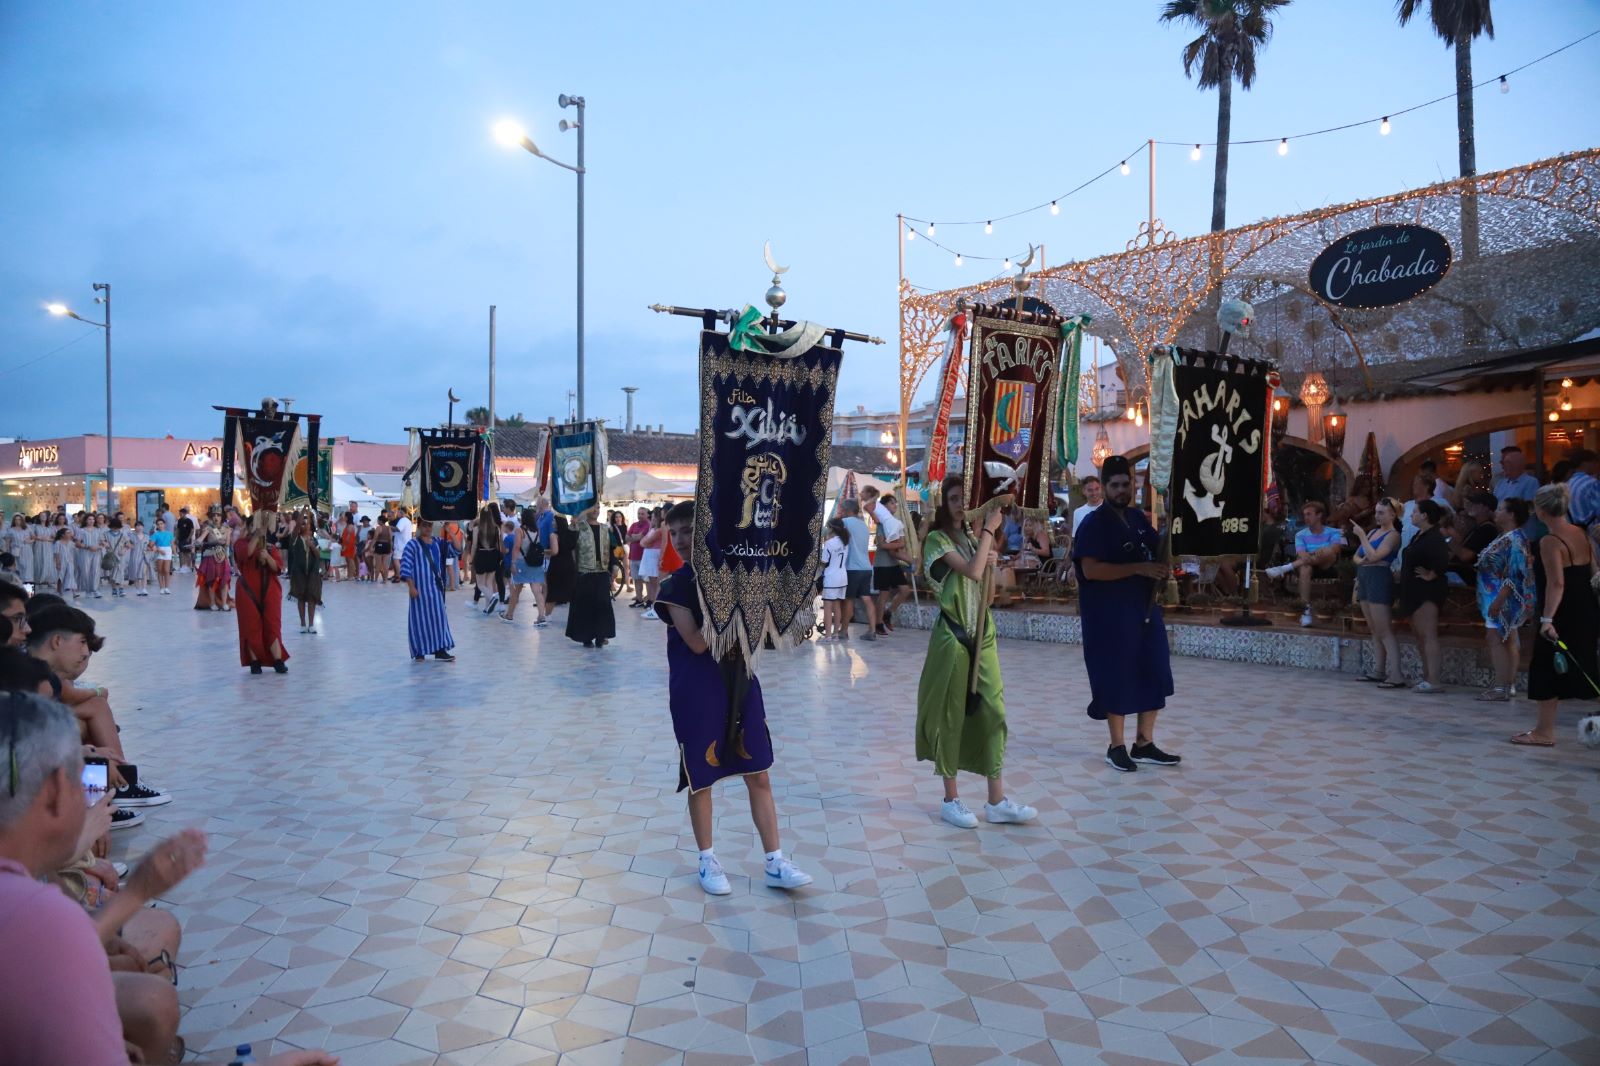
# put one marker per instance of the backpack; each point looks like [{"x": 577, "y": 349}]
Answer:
[{"x": 532, "y": 548}]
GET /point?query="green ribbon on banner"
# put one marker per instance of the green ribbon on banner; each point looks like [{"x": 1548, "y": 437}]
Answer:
[
  {"x": 745, "y": 334},
  {"x": 1070, "y": 371}
]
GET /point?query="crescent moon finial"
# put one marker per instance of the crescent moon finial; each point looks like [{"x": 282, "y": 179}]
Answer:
[
  {"x": 772, "y": 264},
  {"x": 453, "y": 397}
]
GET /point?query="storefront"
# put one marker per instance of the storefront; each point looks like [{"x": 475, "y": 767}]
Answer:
[{"x": 69, "y": 473}]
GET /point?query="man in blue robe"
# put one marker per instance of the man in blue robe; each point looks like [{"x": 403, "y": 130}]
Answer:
[
  {"x": 422, "y": 569},
  {"x": 1124, "y": 636}
]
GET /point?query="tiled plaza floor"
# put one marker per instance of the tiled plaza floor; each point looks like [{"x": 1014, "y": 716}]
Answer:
[{"x": 486, "y": 863}]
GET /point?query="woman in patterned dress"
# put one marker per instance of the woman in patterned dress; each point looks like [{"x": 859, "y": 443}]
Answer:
[
  {"x": 19, "y": 542},
  {"x": 42, "y": 530},
  {"x": 1506, "y": 594}
]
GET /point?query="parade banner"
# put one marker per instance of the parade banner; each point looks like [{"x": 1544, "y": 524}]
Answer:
[
  {"x": 766, "y": 420},
  {"x": 299, "y": 492},
  {"x": 265, "y": 445},
  {"x": 577, "y": 458},
  {"x": 452, "y": 470},
  {"x": 1067, "y": 408},
  {"x": 1012, "y": 383},
  {"x": 935, "y": 460},
  {"x": 1219, "y": 454}
]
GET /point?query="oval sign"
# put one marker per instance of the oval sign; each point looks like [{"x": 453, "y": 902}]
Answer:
[{"x": 1380, "y": 266}]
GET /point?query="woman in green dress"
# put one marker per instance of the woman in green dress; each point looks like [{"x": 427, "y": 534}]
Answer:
[{"x": 955, "y": 730}]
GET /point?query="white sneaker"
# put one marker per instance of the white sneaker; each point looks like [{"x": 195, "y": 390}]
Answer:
[
  {"x": 1278, "y": 571},
  {"x": 1305, "y": 617},
  {"x": 651, "y": 613},
  {"x": 143, "y": 592},
  {"x": 783, "y": 874},
  {"x": 955, "y": 812},
  {"x": 712, "y": 877},
  {"x": 1009, "y": 810}
]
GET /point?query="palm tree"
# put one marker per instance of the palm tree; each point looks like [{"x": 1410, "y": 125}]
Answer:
[
  {"x": 1231, "y": 32},
  {"x": 1458, "y": 22}
]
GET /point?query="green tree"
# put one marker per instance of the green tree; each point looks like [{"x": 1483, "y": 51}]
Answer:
[
  {"x": 477, "y": 416},
  {"x": 1231, "y": 32},
  {"x": 1458, "y": 22}
]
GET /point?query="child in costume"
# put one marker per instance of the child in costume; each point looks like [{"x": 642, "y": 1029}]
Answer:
[{"x": 716, "y": 739}]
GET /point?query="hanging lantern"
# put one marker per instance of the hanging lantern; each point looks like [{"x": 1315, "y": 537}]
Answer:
[
  {"x": 1334, "y": 425},
  {"x": 1280, "y": 416},
  {"x": 1314, "y": 393},
  {"x": 1102, "y": 448}
]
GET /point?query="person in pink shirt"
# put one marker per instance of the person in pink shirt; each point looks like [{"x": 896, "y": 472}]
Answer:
[
  {"x": 61, "y": 1002},
  {"x": 636, "y": 535}
]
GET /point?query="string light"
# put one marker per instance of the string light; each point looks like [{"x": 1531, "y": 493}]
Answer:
[
  {"x": 1008, "y": 263},
  {"x": 1196, "y": 148},
  {"x": 958, "y": 259},
  {"x": 911, "y": 234}
]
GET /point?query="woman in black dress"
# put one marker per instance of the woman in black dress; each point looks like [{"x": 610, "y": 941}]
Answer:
[
  {"x": 1422, "y": 589},
  {"x": 561, "y": 570},
  {"x": 1562, "y": 569}
]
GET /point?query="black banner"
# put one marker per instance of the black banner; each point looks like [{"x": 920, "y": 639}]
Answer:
[
  {"x": 451, "y": 467},
  {"x": 766, "y": 421},
  {"x": 1380, "y": 266},
  {"x": 1219, "y": 454},
  {"x": 230, "y": 438},
  {"x": 314, "y": 485},
  {"x": 265, "y": 448}
]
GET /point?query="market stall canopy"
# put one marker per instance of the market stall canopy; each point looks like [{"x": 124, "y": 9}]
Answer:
[
  {"x": 347, "y": 487},
  {"x": 635, "y": 484}
]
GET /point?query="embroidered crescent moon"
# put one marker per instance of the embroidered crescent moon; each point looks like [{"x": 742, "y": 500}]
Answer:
[
  {"x": 451, "y": 482},
  {"x": 772, "y": 264},
  {"x": 711, "y": 755}
]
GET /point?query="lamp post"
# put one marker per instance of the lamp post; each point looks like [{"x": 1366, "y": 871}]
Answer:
[
  {"x": 511, "y": 135},
  {"x": 103, "y": 297}
]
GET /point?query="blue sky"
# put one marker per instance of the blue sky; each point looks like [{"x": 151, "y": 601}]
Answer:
[{"x": 305, "y": 199}]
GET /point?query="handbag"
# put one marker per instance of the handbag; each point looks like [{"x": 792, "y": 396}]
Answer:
[{"x": 108, "y": 561}]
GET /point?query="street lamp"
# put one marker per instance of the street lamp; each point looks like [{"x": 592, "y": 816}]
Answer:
[
  {"x": 512, "y": 135},
  {"x": 61, "y": 310}
]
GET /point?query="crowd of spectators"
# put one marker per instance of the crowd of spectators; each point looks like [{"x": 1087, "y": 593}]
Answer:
[{"x": 92, "y": 963}]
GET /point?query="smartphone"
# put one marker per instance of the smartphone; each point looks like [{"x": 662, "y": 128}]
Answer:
[{"x": 96, "y": 780}]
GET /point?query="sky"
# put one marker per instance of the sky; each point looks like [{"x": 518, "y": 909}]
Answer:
[{"x": 305, "y": 199}]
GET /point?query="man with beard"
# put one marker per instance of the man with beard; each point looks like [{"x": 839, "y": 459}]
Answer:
[{"x": 1124, "y": 638}]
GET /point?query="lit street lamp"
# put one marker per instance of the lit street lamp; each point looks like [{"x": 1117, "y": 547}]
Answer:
[
  {"x": 512, "y": 135},
  {"x": 61, "y": 310}
]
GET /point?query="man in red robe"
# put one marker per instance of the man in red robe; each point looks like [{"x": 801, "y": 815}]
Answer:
[{"x": 259, "y": 603}]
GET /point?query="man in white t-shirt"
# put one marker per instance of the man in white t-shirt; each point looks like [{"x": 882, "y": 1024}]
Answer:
[
  {"x": 1094, "y": 493},
  {"x": 401, "y": 527},
  {"x": 888, "y": 565}
]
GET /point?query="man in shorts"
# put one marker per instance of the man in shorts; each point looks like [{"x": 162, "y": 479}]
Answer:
[
  {"x": 888, "y": 566},
  {"x": 1316, "y": 549},
  {"x": 858, "y": 566}
]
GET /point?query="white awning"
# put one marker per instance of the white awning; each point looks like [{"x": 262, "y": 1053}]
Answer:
[
  {"x": 367, "y": 486},
  {"x": 168, "y": 479}
]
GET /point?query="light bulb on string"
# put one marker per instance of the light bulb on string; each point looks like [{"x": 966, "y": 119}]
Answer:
[
  {"x": 1194, "y": 153},
  {"x": 958, "y": 259},
  {"x": 911, "y": 233},
  {"x": 1124, "y": 168},
  {"x": 1383, "y": 127},
  {"x": 1505, "y": 86},
  {"x": 1008, "y": 264},
  {"x": 988, "y": 227},
  {"x": 1283, "y": 146},
  {"x": 1555, "y": 416},
  {"x": 1055, "y": 208},
  {"x": 930, "y": 229}
]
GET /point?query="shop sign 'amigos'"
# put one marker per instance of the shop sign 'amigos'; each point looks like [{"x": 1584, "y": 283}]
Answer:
[{"x": 1380, "y": 266}]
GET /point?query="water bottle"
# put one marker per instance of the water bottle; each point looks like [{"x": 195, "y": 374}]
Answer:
[{"x": 242, "y": 1056}]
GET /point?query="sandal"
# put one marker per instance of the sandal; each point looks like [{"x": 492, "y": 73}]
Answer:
[
  {"x": 1493, "y": 695},
  {"x": 1391, "y": 684},
  {"x": 1367, "y": 677},
  {"x": 1528, "y": 740}
]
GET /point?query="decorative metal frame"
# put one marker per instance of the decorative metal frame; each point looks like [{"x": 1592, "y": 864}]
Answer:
[{"x": 1150, "y": 294}]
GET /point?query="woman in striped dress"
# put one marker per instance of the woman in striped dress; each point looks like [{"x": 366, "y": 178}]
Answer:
[
  {"x": 422, "y": 569},
  {"x": 46, "y": 578},
  {"x": 91, "y": 541},
  {"x": 19, "y": 542}
]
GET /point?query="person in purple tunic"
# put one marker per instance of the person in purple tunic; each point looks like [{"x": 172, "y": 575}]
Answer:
[
  {"x": 704, "y": 717},
  {"x": 1124, "y": 636}
]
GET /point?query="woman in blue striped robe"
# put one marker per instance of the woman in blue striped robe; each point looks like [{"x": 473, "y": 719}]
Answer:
[{"x": 422, "y": 569}]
